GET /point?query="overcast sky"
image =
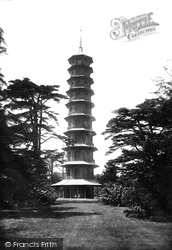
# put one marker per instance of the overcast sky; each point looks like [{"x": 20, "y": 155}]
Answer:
[{"x": 42, "y": 34}]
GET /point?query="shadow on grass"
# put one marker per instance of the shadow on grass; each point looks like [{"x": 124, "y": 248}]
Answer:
[{"x": 42, "y": 212}]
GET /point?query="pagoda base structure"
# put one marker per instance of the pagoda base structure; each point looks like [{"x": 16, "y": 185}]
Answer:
[{"x": 76, "y": 188}]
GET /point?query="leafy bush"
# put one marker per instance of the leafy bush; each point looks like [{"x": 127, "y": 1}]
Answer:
[
  {"x": 46, "y": 196},
  {"x": 111, "y": 195},
  {"x": 136, "y": 212},
  {"x": 139, "y": 200},
  {"x": 32, "y": 197},
  {"x": 138, "y": 197}
]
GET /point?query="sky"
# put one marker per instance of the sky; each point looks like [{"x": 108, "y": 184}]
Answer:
[{"x": 42, "y": 34}]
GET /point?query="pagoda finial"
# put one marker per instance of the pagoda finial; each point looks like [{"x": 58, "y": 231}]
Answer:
[{"x": 80, "y": 44}]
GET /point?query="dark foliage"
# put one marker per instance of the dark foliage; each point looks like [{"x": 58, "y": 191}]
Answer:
[
  {"x": 24, "y": 126},
  {"x": 144, "y": 167}
]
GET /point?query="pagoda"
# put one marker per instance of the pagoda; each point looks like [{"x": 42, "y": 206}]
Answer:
[{"x": 79, "y": 179}]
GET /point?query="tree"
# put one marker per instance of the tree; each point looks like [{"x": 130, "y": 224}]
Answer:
[
  {"x": 144, "y": 136},
  {"x": 29, "y": 112},
  {"x": 109, "y": 174},
  {"x": 10, "y": 176},
  {"x": 28, "y": 119},
  {"x": 2, "y": 42},
  {"x": 51, "y": 157},
  {"x": 25, "y": 116}
]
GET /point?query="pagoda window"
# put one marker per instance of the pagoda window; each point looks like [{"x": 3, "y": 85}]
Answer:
[
  {"x": 77, "y": 138},
  {"x": 86, "y": 155},
  {"x": 79, "y": 62},
  {"x": 78, "y": 123},
  {"x": 78, "y": 95},
  {"x": 88, "y": 174},
  {"x": 69, "y": 156},
  {"x": 70, "y": 124},
  {"x": 86, "y": 139},
  {"x": 71, "y": 109},
  {"x": 77, "y": 173},
  {"x": 77, "y": 83},
  {"x": 77, "y": 155},
  {"x": 68, "y": 173},
  {"x": 86, "y": 95},
  {"x": 79, "y": 71},
  {"x": 86, "y": 124},
  {"x": 78, "y": 109},
  {"x": 91, "y": 156},
  {"x": 87, "y": 109}
]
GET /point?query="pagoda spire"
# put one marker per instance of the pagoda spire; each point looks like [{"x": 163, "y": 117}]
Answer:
[{"x": 80, "y": 52}]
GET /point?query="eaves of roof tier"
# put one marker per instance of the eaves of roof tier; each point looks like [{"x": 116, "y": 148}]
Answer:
[
  {"x": 70, "y": 130},
  {"x": 75, "y": 101},
  {"x": 80, "y": 77},
  {"x": 81, "y": 145},
  {"x": 80, "y": 88},
  {"x": 78, "y": 56},
  {"x": 77, "y": 182},
  {"x": 80, "y": 115},
  {"x": 82, "y": 66},
  {"x": 79, "y": 163}
]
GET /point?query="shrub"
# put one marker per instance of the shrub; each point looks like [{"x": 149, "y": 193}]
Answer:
[
  {"x": 140, "y": 201},
  {"x": 111, "y": 195}
]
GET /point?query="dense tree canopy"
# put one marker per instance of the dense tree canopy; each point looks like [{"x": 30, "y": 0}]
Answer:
[
  {"x": 29, "y": 112},
  {"x": 144, "y": 135},
  {"x": 25, "y": 123}
]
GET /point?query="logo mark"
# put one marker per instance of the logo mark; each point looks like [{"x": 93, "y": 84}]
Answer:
[
  {"x": 132, "y": 28},
  {"x": 7, "y": 244}
]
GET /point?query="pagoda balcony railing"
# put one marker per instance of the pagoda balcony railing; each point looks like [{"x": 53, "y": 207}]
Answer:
[
  {"x": 84, "y": 127},
  {"x": 81, "y": 98},
  {"x": 80, "y": 144},
  {"x": 79, "y": 160},
  {"x": 73, "y": 112},
  {"x": 79, "y": 62},
  {"x": 80, "y": 86},
  {"x": 74, "y": 74}
]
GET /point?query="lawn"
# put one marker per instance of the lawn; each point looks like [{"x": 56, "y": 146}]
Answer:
[{"x": 87, "y": 226}]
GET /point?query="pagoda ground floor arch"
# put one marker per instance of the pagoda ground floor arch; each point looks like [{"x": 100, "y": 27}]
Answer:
[
  {"x": 77, "y": 188},
  {"x": 78, "y": 192}
]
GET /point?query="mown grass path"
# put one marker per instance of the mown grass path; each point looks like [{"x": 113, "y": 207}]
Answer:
[{"x": 88, "y": 226}]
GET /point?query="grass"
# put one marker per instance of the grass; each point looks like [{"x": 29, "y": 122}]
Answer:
[{"x": 87, "y": 226}]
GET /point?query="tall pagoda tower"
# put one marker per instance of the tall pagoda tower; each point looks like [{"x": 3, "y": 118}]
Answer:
[{"x": 79, "y": 181}]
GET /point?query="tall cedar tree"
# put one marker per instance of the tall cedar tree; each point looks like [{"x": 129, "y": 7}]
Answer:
[
  {"x": 29, "y": 120},
  {"x": 23, "y": 127},
  {"x": 10, "y": 176},
  {"x": 144, "y": 135},
  {"x": 29, "y": 112}
]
